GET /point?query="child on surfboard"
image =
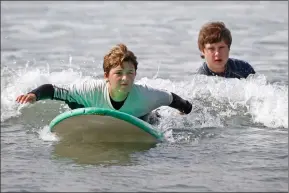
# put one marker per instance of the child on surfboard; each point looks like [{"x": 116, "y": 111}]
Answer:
[{"x": 117, "y": 91}]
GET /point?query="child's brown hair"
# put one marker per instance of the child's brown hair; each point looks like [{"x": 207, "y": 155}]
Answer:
[
  {"x": 213, "y": 32},
  {"x": 116, "y": 56}
]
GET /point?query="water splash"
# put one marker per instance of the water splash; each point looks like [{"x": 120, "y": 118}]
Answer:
[
  {"x": 215, "y": 101},
  {"x": 46, "y": 135}
]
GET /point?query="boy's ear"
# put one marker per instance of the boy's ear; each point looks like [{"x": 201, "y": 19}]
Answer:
[{"x": 106, "y": 76}]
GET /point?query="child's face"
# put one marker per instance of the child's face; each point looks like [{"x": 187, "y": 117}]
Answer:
[
  {"x": 216, "y": 55},
  {"x": 121, "y": 79}
]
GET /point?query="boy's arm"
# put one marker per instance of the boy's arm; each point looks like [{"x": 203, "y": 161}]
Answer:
[
  {"x": 182, "y": 105},
  {"x": 45, "y": 91}
]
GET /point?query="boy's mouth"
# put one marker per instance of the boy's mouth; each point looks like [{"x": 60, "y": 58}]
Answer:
[{"x": 218, "y": 60}]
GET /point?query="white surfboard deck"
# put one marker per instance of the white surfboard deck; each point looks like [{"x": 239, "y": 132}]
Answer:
[{"x": 103, "y": 125}]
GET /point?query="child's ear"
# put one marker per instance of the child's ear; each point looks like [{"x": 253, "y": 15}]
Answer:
[
  {"x": 106, "y": 76},
  {"x": 202, "y": 54}
]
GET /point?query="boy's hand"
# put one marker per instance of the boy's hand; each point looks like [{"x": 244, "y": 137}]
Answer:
[{"x": 27, "y": 98}]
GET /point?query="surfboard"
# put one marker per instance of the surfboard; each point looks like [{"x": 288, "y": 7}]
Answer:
[{"x": 103, "y": 125}]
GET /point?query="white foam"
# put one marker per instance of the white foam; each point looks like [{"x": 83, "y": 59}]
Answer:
[
  {"x": 21, "y": 81},
  {"x": 215, "y": 100},
  {"x": 46, "y": 135},
  {"x": 266, "y": 103}
]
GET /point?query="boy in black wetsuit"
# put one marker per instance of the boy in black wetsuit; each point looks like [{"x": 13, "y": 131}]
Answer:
[{"x": 214, "y": 42}]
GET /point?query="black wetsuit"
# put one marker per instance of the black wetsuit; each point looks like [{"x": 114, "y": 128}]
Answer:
[{"x": 234, "y": 69}]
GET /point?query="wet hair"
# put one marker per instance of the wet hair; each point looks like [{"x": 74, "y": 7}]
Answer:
[
  {"x": 214, "y": 32},
  {"x": 117, "y": 56}
]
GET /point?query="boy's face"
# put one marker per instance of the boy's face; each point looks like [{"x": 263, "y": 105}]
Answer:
[
  {"x": 216, "y": 56},
  {"x": 121, "y": 79}
]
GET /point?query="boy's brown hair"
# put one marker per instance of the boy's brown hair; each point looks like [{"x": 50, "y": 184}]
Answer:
[
  {"x": 213, "y": 32},
  {"x": 116, "y": 56}
]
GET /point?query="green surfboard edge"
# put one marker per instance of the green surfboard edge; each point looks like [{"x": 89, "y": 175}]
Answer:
[{"x": 101, "y": 111}]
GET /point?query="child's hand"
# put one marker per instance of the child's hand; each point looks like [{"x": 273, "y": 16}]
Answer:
[{"x": 27, "y": 98}]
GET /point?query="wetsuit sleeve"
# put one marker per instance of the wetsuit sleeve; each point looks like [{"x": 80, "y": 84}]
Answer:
[
  {"x": 45, "y": 91},
  {"x": 48, "y": 91},
  {"x": 239, "y": 69},
  {"x": 251, "y": 70},
  {"x": 245, "y": 68},
  {"x": 181, "y": 104}
]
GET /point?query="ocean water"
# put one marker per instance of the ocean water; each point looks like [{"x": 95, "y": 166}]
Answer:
[{"x": 235, "y": 138}]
